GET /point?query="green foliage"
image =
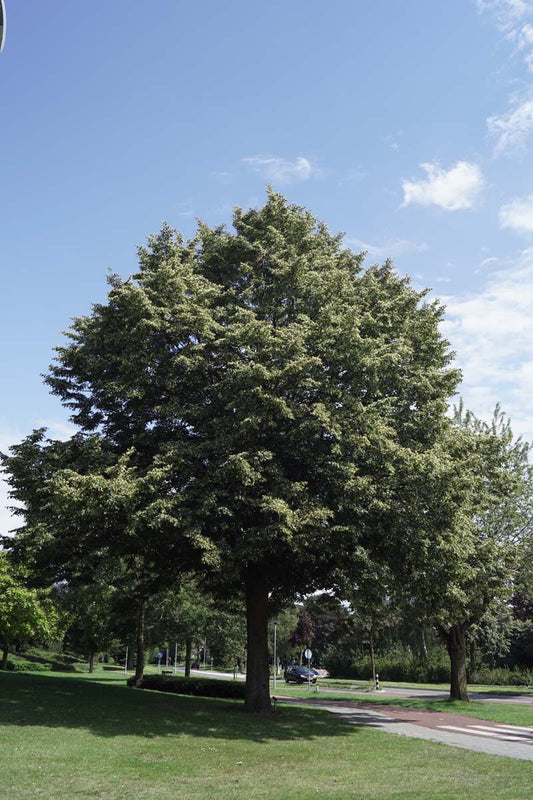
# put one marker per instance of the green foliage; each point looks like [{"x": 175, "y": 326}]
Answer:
[
  {"x": 266, "y": 375},
  {"x": 191, "y": 613},
  {"x": 406, "y": 668},
  {"x": 38, "y": 659},
  {"x": 91, "y": 619},
  {"x": 331, "y": 622},
  {"x": 200, "y": 687},
  {"x": 501, "y": 676},
  {"x": 265, "y": 407},
  {"x": 401, "y": 667},
  {"x": 24, "y": 613}
]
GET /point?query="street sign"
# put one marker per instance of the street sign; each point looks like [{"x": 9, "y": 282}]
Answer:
[{"x": 308, "y": 654}]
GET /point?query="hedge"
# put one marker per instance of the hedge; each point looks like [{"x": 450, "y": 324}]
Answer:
[
  {"x": 200, "y": 687},
  {"x": 404, "y": 668}
]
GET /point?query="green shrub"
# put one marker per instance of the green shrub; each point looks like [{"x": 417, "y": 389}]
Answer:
[
  {"x": 502, "y": 676},
  {"x": 35, "y": 659},
  {"x": 200, "y": 687},
  {"x": 405, "y": 668},
  {"x": 20, "y": 665},
  {"x": 401, "y": 667}
]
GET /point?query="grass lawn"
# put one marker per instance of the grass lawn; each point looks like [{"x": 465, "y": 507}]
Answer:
[
  {"x": 445, "y": 687},
  {"x": 483, "y": 709},
  {"x": 74, "y": 736}
]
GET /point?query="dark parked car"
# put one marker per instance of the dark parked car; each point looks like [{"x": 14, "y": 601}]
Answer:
[{"x": 300, "y": 675}]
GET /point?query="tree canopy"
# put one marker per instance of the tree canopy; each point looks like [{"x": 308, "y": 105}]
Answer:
[
  {"x": 24, "y": 613},
  {"x": 281, "y": 401}
]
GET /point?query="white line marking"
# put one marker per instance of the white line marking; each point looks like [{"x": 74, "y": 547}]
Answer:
[
  {"x": 525, "y": 734},
  {"x": 526, "y": 728},
  {"x": 473, "y": 732}
]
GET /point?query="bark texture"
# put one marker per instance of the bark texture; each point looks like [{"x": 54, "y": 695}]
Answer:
[
  {"x": 372, "y": 656},
  {"x": 139, "y": 666},
  {"x": 131, "y": 658},
  {"x": 456, "y": 645},
  {"x": 257, "y": 693},
  {"x": 188, "y": 657}
]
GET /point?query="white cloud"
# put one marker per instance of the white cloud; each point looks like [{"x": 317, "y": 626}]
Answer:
[
  {"x": 396, "y": 247},
  {"x": 492, "y": 332},
  {"x": 507, "y": 13},
  {"x": 525, "y": 44},
  {"x": 282, "y": 170},
  {"x": 455, "y": 189},
  {"x": 514, "y": 128},
  {"x": 513, "y": 18},
  {"x": 518, "y": 214}
]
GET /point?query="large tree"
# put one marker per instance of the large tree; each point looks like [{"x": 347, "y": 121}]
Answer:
[
  {"x": 278, "y": 382},
  {"x": 93, "y": 514},
  {"x": 468, "y": 564}
]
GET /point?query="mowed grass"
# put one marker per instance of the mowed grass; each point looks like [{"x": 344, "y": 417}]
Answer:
[
  {"x": 445, "y": 687},
  {"x": 506, "y": 713},
  {"x": 64, "y": 736}
]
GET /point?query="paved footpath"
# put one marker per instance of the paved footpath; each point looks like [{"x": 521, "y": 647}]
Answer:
[{"x": 514, "y": 741}]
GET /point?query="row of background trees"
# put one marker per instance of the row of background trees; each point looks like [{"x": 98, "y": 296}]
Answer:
[
  {"x": 95, "y": 624},
  {"x": 257, "y": 410}
]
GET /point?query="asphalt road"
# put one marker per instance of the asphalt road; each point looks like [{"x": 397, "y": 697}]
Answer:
[{"x": 392, "y": 691}]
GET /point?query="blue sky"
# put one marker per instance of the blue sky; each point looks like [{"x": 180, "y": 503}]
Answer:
[{"x": 409, "y": 126}]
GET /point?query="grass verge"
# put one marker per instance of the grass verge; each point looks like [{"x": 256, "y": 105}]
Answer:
[
  {"x": 92, "y": 737},
  {"x": 443, "y": 687}
]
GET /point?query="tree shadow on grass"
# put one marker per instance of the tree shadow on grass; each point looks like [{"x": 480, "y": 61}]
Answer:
[{"x": 112, "y": 709}]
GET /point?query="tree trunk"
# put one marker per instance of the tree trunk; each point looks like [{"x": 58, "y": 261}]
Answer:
[
  {"x": 91, "y": 662},
  {"x": 456, "y": 645},
  {"x": 372, "y": 656},
  {"x": 131, "y": 658},
  {"x": 424, "y": 647},
  {"x": 257, "y": 692},
  {"x": 139, "y": 666},
  {"x": 5, "y": 651},
  {"x": 188, "y": 656},
  {"x": 472, "y": 655}
]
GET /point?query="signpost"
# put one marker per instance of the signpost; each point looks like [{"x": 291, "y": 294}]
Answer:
[{"x": 308, "y": 653}]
